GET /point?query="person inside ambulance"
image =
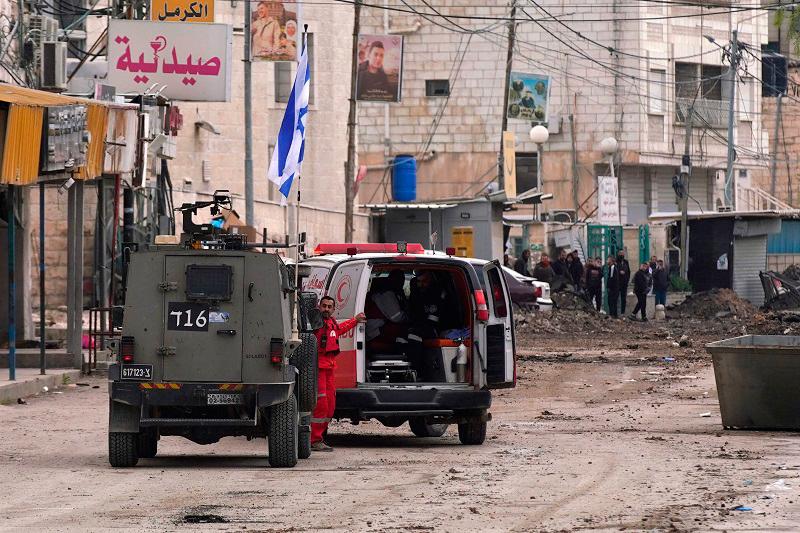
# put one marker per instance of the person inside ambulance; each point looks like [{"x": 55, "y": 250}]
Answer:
[
  {"x": 328, "y": 348},
  {"x": 426, "y": 308},
  {"x": 385, "y": 308}
]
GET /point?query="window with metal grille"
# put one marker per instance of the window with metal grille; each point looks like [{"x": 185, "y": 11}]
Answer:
[
  {"x": 437, "y": 87},
  {"x": 526, "y": 171}
]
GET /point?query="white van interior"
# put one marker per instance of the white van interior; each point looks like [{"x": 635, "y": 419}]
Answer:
[{"x": 419, "y": 325}]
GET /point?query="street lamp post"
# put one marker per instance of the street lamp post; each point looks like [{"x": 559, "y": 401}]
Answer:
[
  {"x": 539, "y": 136},
  {"x": 609, "y": 147}
]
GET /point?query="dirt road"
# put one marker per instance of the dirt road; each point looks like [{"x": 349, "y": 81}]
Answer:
[{"x": 595, "y": 437}]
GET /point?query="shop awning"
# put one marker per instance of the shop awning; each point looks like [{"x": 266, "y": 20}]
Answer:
[{"x": 21, "y": 132}]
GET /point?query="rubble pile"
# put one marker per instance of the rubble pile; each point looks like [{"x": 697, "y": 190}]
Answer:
[
  {"x": 569, "y": 300},
  {"x": 716, "y": 303},
  {"x": 564, "y": 321},
  {"x": 792, "y": 272}
]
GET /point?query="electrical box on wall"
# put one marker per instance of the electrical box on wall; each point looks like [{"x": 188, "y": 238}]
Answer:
[{"x": 65, "y": 138}]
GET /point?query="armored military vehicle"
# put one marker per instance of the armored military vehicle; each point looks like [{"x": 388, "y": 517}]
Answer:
[{"x": 207, "y": 348}]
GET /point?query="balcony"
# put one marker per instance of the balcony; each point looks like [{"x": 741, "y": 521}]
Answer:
[{"x": 713, "y": 113}]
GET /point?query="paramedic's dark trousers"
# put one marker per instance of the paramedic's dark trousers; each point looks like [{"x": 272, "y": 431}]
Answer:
[{"x": 326, "y": 404}]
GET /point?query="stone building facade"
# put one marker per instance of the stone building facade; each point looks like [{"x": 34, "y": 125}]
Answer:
[{"x": 626, "y": 73}]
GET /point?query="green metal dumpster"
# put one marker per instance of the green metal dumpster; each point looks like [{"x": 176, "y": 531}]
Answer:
[{"x": 758, "y": 381}]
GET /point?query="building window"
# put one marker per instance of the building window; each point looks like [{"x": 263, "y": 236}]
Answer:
[
  {"x": 526, "y": 171},
  {"x": 655, "y": 128},
  {"x": 437, "y": 87},
  {"x": 745, "y": 134},
  {"x": 657, "y": 82},
  {"x": 701, "y": 87},
  {"x": 284, "y": 74}
]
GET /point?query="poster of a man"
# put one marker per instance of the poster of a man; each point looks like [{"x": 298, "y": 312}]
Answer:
[
  {"x": 380, "y": 66},
  {"x": 528, "y": 96},
  {"x": 273, "y": 32}
]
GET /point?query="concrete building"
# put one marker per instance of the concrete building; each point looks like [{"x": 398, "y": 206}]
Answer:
[
  {"x": 626, "y": 73},
  {"x": 206, "y": 161}
]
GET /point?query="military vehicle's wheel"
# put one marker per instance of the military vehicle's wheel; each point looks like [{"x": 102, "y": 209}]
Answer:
[
  {"x": 473, "y": 433},
  {"x": 282, "y": 436},
  {"x": 421, "y": 429},
  {"x": 305, "y": 360},
  {"x": 148, "y": 444},
  {"x": 122, "y": 449}
]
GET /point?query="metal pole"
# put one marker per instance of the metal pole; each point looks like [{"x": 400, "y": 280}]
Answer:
[
  {"x": 42, "y": 336},
  {"x": 77, "y": 273},
  {"x": 349, "y": 169},
  {"x": 774, "y": 163},
  {"x": 512, "y": 31},
  {"x": 248, "y": 120},
  {"x": 730, "y": 186},
  {"x": 686, "y": 172},
  {"x": 12, "y": 291}
]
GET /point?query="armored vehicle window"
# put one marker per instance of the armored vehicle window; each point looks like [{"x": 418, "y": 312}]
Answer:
[{"x": 209, "y": 282}]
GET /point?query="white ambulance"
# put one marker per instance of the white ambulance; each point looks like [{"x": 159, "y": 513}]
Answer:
[{"x": 468, "y": 351}]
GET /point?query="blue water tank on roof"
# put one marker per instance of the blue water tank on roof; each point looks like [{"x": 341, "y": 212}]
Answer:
[{"x": 404, "y": 178}]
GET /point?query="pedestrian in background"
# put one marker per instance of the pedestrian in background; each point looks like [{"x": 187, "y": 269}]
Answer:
[
  {"x": 521, "y": 265},
  {"x": 561, "y": 268},
  {"x": 641, "y": 286},
  {"x": 660, "y": 283},
  {"x": 576, "y": 269},
  {"x": 613, "y": 285},
  {"x": 594, "y": 281},
  {"x": 624, "y": 280},
  {"x": 543, "y": 271}
]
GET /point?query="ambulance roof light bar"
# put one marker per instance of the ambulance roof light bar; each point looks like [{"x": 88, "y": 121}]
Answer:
[{"x": 366, "y": 248}]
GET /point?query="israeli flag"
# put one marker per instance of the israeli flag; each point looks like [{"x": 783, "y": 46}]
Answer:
[{"x": 287, "y": 158}]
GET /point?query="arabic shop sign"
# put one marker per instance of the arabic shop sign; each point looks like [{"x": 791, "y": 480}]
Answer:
[
  {"x": 182, "y": 11},
  {"x": 192, "y": 60}
]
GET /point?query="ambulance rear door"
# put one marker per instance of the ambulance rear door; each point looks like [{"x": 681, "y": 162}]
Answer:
[
  {"x": 498, "y": 343},
  {"x": 348, "y": 286}
]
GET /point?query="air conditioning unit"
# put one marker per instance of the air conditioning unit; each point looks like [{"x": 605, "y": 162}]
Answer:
[
  {"x": 565, "y": 216},
  {"x": 53, "y": 71},
  {"x": 41, "y": 29}
]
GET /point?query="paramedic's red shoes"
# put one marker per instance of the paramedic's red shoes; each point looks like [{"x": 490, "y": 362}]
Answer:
[{"x": 320, "y": 447}]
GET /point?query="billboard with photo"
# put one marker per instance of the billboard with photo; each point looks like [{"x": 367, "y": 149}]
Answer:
[
  {"x": 380, "y": 68},
  {"x": 528, "y": 96},
  {"x": 274, "y": 30}
]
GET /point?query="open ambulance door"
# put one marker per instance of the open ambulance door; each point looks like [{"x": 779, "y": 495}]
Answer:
[
  {"x": 499, "y": 346},
  {"x": 348, "y": 287}
]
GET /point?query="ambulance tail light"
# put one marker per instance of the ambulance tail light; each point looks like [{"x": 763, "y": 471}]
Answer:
[
  {"x": 480, "y": 301},
  {"x": 537, "y": 292},
  {"x": 127, "y": 349},
  {"x": 276, "y": 351}
]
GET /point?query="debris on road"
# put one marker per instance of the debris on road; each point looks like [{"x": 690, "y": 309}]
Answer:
[
  {"x": 708, "y": 304},
  {"x": 205, "y": 519}
]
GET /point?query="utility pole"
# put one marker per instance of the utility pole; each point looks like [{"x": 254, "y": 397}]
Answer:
[
  {"x": 686, "y": 172},
  {"x": 774, "y": 163},
  {"x": 350, "y": 165},
  {"x": 248, "y": 120},
  {"x": 512, "y": 33},
  {"x": 730, "y": 185}
]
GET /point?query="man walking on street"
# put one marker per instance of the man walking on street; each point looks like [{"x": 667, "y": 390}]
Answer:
[
  {"x": 594, "y": 281},
  {"x": 624, "y": 280},
  {"x": 641, "y": 286},
  {"x": 327, "y": 349},
  {"x": 521, "y": 266},
  {"x": 660, "y": 283},
  {"x": 576, "y": 269},
  {"x": 543, "y": 271},
  {"x": 612, "y": 284}
]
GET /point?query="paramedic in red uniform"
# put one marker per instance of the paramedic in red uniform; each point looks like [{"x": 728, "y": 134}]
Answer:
[{"x": 328, "y": 347}]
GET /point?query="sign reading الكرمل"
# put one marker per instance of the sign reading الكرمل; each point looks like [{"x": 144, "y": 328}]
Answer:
[
  {"x": 182, "y": 10},
  {"x": 188, "y": 61}
]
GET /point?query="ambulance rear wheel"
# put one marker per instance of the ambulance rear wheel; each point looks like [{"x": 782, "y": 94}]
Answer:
[
  {"x": 422, "y": 429},
  {"x": 122, "y": 449},
  {"x": 282, "y": 435},
  {"x": 472, "y": 433}
]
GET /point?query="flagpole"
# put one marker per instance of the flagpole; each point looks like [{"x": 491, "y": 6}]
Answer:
[{"x": 299, "y": 181}]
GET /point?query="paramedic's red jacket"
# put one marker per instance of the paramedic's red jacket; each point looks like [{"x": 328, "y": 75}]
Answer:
[{"x": 331, "y": 330}]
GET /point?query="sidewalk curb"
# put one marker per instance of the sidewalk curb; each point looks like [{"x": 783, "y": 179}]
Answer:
[{"x": 11, "y": 390}]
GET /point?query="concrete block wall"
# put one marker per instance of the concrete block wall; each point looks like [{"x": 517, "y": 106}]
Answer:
[{"x": 787, "y": 180}]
